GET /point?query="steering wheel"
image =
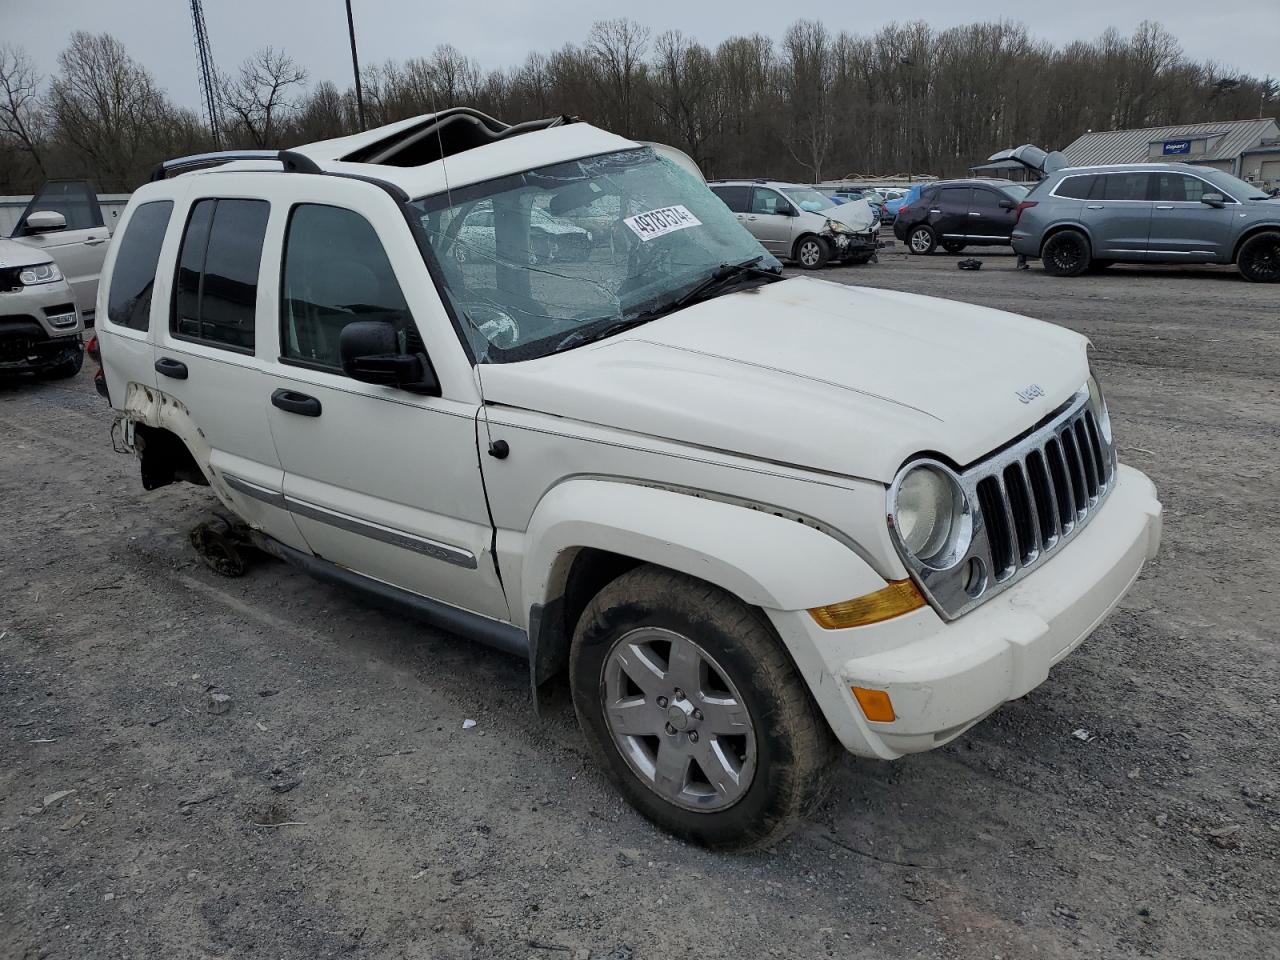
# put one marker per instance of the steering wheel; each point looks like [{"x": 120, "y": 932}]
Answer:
[{"x": 498, "y": 326}]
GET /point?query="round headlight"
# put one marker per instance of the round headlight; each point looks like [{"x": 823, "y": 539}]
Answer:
[
  {"x": 1099, "y": 403},
  {"x": 926, "y": 511}
]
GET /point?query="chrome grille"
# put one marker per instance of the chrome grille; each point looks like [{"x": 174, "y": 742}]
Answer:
[{"x": 1025, "y": 502}]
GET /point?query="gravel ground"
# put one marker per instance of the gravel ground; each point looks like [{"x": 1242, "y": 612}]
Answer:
[{"x": 338, "y": 807}]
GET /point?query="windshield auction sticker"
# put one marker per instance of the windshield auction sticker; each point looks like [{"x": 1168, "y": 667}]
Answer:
[{"x": 660, "y": 222}]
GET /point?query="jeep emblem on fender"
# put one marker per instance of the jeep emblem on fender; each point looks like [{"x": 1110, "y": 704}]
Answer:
[{"x": 1027, "y": 394}]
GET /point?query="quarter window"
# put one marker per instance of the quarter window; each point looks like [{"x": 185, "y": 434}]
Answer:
[
  {"x": 217, "y": 283},
  {"x": 134, "y": 275},
  {"x": 1075, "y": 188},
  {"x": 335, "y": 272}
]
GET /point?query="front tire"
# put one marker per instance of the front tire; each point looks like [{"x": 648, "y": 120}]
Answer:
[
  {"x": 952, "y": 246},
  {"x": 66, "y": 368},
  {"x": 1066, "y": 254},
  {"x": 1259, "y": 257},
  {"x": 692, "y": 707},
  {"x": 922, "y": 241},
  {"x": 812, "y": 253}
]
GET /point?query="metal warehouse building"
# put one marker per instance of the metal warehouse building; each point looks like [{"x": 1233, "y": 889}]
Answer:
[{"x": 1249, "y": 149}]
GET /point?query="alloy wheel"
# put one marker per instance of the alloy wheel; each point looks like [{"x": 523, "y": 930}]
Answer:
[
  {"x": 1264, "y": 260},
  {"x": 809, "y": 253},
  {"x": 921, "y": 241},
  {"x": 678, "y": 719}
]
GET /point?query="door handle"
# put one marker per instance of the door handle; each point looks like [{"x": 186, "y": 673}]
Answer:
[
  {"x": 1164, "y": 206},
  {"x": 935, "y": 210},
  {"x": 94, "y": 241},
  {"x": 293, "y": 402},
  {"x": 751, "y": 217},
  {"x": 1093, "y": 206},
  {"x": 171, "y": 368},
  {"x": 974, "y": 213}
]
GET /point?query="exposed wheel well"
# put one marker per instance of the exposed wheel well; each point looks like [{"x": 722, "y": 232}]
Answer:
[
  {"x": 165, "y": 458},
  {"x": 1249, "y": 234}
]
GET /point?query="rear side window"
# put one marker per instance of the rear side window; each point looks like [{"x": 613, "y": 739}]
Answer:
[
  {"x": 1075, "y": 188},
  {"x": 217, "y": 283},
  {"x": 1120, "y": 186},
  {"x": 955, "y": 197},
  {"x": 335, "y": 272},
  {"x": 735, "y": 198},
  {"x": 134, "y": 275}
]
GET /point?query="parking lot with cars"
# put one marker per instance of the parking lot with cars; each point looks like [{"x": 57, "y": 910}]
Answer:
[{"x": 203, "y": 767}]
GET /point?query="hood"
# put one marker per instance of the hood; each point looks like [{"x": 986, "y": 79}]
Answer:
[
  {"x": 856, "y": 214},
  {"x": 813, "y": 374},
  {"x": 16, "y": 254}
]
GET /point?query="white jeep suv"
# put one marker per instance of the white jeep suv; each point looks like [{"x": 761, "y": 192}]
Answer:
[{"x": 751, "y": 519}]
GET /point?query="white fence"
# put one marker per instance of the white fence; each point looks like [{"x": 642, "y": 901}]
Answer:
[{"x": 11, "y": 208}]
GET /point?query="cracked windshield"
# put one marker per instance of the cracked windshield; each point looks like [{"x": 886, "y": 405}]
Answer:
[{"x": 552, "y": 258}]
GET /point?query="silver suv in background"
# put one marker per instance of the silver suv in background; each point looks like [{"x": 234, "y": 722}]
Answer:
[
  {"x": 1080, "y": 218},
  {"x": 801, "y": 223}
]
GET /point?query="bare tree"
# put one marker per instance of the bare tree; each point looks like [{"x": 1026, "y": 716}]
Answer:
[
  {"x": 21, "y": 119},
  {"x": 617, "y": 48},
  {"x": 807, "y": 78},
  {"x": 258, "y": 99}
]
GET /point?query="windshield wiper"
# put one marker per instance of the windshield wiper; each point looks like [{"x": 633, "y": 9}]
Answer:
[
  {"x": 719, "y": 278},
  {"x": 579, "y": 337}
]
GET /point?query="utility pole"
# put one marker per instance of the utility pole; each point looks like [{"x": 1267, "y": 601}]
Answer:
[
  {"x": 355, "y": 65},
  {"x": 208, "y": 76},
  {"x": 909, "y": 64}
]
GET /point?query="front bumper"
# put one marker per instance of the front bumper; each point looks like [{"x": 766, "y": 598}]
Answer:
[
  {"x": 852, "y": 244},
  {"x": 39, "y": 326},
  {"x": 944, "y": 677}
]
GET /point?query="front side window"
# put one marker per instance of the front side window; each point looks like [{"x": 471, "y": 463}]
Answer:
[
  {"x": 768, "y": 202},
  {"x": 335, "y": 271},
  {"x": 577, "y": 250},
  {"x": 808, "y": 200},
  {"x": 134, "y": 275},
  {"x": 72, "y": 198},
  {"x": 216, "y": 289},
  {"x": 1179, "y": 188}
]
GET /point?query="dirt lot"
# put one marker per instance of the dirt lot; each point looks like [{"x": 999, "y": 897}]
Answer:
[{"x": 339, "y": 807}]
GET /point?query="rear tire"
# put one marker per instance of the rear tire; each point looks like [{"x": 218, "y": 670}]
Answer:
[
  {"x": 655, "y": 651},
  {"x": 922, "y": 241},
  {"x": 812, "y": 253},
  {"x": 1066, "y": 254},
  {"x": 1259, "y": 257}
]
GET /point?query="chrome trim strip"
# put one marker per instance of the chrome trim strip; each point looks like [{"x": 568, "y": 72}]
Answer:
[
  {"x": 397, "y": 538},
  {"x": 268, "y": 496}
]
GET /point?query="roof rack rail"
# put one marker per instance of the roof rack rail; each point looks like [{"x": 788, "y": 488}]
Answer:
[{"x": 293, "y": 161}]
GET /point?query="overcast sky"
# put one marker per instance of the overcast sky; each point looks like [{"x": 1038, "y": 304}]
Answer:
[{"x": 1244, "y": 34}]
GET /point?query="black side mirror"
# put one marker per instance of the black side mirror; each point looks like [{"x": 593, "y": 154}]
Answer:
[
  {"x": 370, "y": 353},
  {"x": 1007, "y": 204},
  {"x": 1214, "y": 200}
]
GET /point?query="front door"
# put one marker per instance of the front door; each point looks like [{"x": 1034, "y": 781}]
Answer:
[
  {"x": 989, "y": 222},
  {"x": 1118, "y": 215},
  {"x": 1183, "y": 227},
  {"x": 380, "y": 480},
  {"x": 771, "y": 220},
  {"x": 81, "y": 246}
]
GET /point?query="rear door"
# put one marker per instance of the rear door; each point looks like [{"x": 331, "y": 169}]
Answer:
[
  {"x": 1184, "y": 228},
  {"x": 206, "y": 351},
  {"x": 771, "y": 220},
  {"x": 80, "y": 248},
  {"x": 988, "y": 222},
  {"x": 1118, "y": 215},
  {"x": 949, "y": 213}
]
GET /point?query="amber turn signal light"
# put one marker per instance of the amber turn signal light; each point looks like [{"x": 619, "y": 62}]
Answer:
[
  {"x": 875, "y": 704},
  {"x": 899, "y": 597}
]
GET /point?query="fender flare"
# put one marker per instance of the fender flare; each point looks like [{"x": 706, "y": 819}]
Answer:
[{"x": 750, "y": 553}]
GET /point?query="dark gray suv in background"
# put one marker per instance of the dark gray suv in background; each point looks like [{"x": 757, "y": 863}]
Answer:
[{"x": 1080, "y": 218}]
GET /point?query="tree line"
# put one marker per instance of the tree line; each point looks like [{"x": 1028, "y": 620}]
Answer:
[{"x": 814, "y": 105}]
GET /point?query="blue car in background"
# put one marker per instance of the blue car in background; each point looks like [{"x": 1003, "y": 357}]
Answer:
[{"x": 894, "y": 207}]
